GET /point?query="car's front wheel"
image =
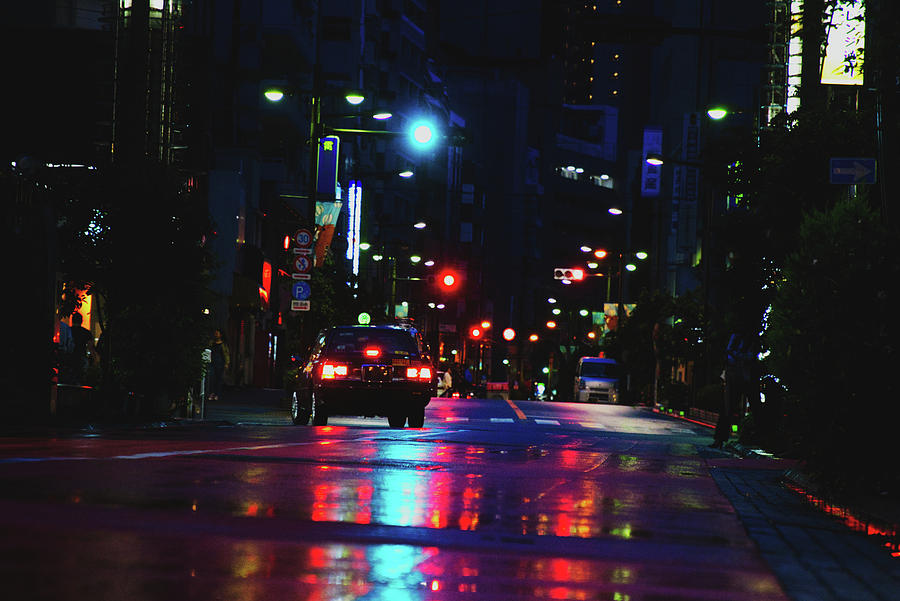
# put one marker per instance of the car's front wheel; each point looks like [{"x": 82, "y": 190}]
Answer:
[{"x": 397, "y": 420}]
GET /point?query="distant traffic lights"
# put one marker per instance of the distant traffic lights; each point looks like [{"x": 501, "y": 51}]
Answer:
[
  {"x": 572, "y": 274},
  {"x": 475, "y": 332}
]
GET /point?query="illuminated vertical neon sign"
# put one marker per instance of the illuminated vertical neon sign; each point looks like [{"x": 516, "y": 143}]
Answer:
[{"x": 354, "y": 208}]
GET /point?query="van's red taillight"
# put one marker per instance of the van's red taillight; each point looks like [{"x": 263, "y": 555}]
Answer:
[
  {"x": 331, "y": 371},
  {"x": 372, "y": 352}
]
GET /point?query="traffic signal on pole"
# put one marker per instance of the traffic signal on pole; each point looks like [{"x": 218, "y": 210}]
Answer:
[
  {"x": 573, "y": 274},
  {"x": 422, "y": 134},
  {"x": 475, "y": 332},
  {"x": 447, "y": 281}
]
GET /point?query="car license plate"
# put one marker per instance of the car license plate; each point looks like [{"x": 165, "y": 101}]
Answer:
[
  {"x": 400, "y": 362},
  {"x": 377, "y": 373}
]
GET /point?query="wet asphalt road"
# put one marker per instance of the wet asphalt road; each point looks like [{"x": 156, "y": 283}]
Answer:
[{"x": 491, "y": 500}]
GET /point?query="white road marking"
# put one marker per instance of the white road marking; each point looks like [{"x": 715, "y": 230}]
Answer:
[
  {"x": 502, "y": 420},
  {"x": 456, "y": 419},
  {"x": 547, "y": 422}
]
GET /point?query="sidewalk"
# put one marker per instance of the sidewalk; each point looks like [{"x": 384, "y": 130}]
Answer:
[{"x": 818, "y": 549}]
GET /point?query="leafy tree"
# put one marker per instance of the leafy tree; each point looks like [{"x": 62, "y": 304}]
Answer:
[
  {"x": 833, "y": 334},
  {"x": 138, "y": 245}
]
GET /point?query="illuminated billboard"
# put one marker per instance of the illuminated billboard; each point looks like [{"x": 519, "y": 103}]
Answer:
[{"x": 845, "y": 43}]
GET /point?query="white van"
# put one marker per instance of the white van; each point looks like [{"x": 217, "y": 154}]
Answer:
[{"x": 597, "y": 380}]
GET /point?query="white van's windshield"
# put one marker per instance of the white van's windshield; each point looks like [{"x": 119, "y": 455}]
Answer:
[{"x": 591, "y": 369}]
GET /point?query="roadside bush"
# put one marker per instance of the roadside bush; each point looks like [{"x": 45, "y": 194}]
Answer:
[
  {"x": 710, "y": 397},
  {"x": 833, "y": 334}
]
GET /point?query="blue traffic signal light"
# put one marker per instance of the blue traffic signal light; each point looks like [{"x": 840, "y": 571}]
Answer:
[{"x": 422, "y": 134}]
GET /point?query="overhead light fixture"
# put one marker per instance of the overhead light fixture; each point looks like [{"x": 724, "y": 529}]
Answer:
[
  {"x": 355, "y": 98},
  {"x": 273, "y": 95},
  {"x": 420, "y": 225},
  {"x": 382, "y": 115},
  {"x": 654, "y": 159},
  {"x": 405, "y": 174},
  {"x": 614, "y": 211}
]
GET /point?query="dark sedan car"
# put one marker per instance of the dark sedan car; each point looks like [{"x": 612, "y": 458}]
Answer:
[{"x": 372, "y": 371}]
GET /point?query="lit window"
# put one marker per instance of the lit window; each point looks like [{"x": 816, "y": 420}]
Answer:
[{"x": 615, "y": 92}]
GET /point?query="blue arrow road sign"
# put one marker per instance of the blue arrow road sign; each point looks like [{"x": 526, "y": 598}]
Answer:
[
  {"x": 300, "y": 290},
  {"x": 853, "y": 171}
]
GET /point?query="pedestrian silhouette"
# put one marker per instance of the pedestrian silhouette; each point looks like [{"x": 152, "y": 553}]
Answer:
[
  {"x": 84, "y": 352},
  {"x": 219, "y": 361}
]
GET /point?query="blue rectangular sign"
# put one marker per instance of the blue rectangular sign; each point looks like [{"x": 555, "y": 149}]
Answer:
[
  {"x": 327, "y": 167},
  {"x": 853, "y": 171}
]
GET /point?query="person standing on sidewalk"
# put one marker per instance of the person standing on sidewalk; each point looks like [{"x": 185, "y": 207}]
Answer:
[
  {"x": 736, "y": 357},
  {"x": 219, "y": 360}
]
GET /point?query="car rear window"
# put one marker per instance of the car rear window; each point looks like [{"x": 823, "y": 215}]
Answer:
[
  {"x": 391, "y": 342},
  {"x": 592, "y": 369}
]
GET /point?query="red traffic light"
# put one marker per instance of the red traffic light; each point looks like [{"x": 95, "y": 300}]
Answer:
[
  {"x": 448, "y": 281},
  {"x": 475, "y": 332},
  {"x": 509, "y": 334}
]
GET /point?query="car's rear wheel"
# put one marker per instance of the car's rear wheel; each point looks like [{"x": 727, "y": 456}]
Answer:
[
  {"x": 397, "y": 420},
  {"x": 299, "y": 415},
  {"x": 416, "y": 417},
  {"x": 319, "y": 414}
]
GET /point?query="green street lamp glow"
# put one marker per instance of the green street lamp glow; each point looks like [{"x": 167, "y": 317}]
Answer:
[
  {"x": 415, "y": 259},
  {"x": 364, "y": 246},
  {"x": 717, "y": 113},
  {"x": 377, "y": 257},
  {"x": 641, "y": 255},
  {"x": 273, "y": 95},
  {"x": 355, "y": 98},
  {"x": 583, "y": 312},
  {"x": 630, "y": 267},
  {"x": 364, "y": 319},
  {"x": 382, "y": 115}
]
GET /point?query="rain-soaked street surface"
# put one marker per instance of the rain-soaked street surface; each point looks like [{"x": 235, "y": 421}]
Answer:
[{"x": 491, "y": 500}]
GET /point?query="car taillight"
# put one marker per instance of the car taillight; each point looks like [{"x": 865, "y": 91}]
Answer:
[
  {"x": 331, "y": 371},
  {"x": 418, "y": 373},
  {"x": 372, "y": 352}
]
